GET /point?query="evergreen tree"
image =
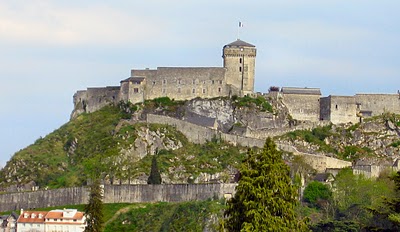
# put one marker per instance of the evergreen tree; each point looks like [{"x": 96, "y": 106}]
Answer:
[
  {"x": 386, "y": 217},
  {"x": 94, "y": 209},
  {"x": 154, "y": 177},
  {"x": 265, "y": 197}
]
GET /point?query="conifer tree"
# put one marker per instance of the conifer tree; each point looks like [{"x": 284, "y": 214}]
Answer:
[
  {"x": 94, "y": 209},
  {"x": 265, "y": 197},
  {"x": 155, "y": 176}
]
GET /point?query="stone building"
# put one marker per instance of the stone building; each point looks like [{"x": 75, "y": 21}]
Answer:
[
  {"x": 339, "y": 109},
  {"x": 302, "y": 103},
  {"x": 236, "y": 77}
]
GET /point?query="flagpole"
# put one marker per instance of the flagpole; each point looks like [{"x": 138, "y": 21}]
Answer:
[
  {"x": 238, "y": 31},
  {"x": 239, "y": 26}
]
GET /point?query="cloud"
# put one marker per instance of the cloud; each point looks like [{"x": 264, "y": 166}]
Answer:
[{"x": 42, "y": 22}]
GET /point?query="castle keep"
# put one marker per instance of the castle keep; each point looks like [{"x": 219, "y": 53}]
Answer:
[{"x": 236, "y": 77}]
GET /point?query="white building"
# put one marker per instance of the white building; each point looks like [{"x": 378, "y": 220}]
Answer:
[{"x": 66, "y": 220}]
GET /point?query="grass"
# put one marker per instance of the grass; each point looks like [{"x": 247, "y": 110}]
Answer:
[
  {"x": 315, "y": 136},
  {"x": 259, "y": 102},
  {"x": 162, "y": 216}
]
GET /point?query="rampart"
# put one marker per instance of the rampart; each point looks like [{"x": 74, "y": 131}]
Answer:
[
  {"x": 199, "y": 134},
  {"x": 378, "y": 103},
  {"x": 115, "y": 194}
]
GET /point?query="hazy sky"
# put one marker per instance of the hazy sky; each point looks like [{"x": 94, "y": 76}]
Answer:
[{"x": 50, "y": 49}]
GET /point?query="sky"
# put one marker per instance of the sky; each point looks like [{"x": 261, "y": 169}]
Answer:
[{"x": 49, "y": 49}]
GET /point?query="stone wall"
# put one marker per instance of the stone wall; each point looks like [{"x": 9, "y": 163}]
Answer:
[
  {"x": 115, "y": 194},
  {"x": 378, "y": 103},
  {"x": 199, "y": 134},
  {"x": 184, "y": 83},
  {"x": 339, "y": 109},
  {"x": 321, "y": 162},
  {"x": 194, "y": 133},
  {"x": 303, "y": 106}
]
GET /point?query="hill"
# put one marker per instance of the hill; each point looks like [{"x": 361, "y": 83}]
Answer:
[{"x": 117, "y": 142}]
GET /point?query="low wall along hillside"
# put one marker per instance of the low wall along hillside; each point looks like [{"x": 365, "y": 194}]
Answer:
[{"x": 115, "y": 194}]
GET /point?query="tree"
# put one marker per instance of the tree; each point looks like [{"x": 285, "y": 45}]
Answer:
[
  {"x": 94, "y": 208},
  {"x": 317, "y": 191},
  {"x": 386, "y": 217},
  {"x": 154, "y": 177},
  {"x": 265, "y": 197}
]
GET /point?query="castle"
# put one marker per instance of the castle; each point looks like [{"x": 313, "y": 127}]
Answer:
[{"x": 236, "y": 77}]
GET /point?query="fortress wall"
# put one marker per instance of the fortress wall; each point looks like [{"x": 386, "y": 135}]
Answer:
[
  {"x": 325, "y": 108},
  {"x": 263, "y": 134},
  {"x": 379, "y": 103},
  {"x": 242, "y": 141},
  {"x": 343, "y": 109},
  {"x": 186, "y": 83},
  {"x": 194, "y": 133},
  {"x": 115, "y": 194},
  {"x": 303, "y": 106},
  {"x": 41, "y": 199},
  {"x": 100, "y": 97},
  {"x": 321, "y": 163}
]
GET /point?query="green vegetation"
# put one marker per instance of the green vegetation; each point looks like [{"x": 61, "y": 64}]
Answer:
[
  {"x": 185, "y": 216},
  {"x": 265, "y": 198},
  {"x": 260, "y": 102},
  {"x": 351, "y": 153},
  {"x": 316, "y": 193},
  {"x": 154, "y": 177},
  {"x": 94, "y": 209},
  {"x": 395, "y": 144},
  {"x": 352, "y": 205},
  {"x": 91, "y": 144},
  {"x": 315, "y": 136}
]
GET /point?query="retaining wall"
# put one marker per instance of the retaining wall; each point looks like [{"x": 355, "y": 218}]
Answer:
[{"x": 115, "y": 194}]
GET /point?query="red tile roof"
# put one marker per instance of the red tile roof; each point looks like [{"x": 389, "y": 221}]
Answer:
[{"x": 32, "y": 217}]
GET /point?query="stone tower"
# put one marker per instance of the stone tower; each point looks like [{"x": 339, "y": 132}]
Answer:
[{"x": 239, "y": 61}]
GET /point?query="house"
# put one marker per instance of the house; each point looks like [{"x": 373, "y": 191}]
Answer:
[
  {"x": 31, "y": 221},
  {"x": 70, "y": 220},
  {"x": 65, "y": 220},
  {"x": 8, "y": 223}
]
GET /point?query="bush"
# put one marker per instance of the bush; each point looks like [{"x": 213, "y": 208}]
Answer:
[{"x": 316, "y": 191}]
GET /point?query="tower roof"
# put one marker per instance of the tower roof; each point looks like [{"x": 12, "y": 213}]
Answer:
[{"x": 239, "y": 43}]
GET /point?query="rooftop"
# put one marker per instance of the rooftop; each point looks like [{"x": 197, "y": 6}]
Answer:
[
  {"x": 306, "y": 91},
  {"x": 239, "y": 43}
]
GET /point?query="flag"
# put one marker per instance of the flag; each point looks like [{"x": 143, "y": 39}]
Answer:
[{"x": 240, "y": 24}]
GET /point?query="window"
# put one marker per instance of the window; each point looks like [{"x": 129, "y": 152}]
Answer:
[
  {"x": 240, "y": 60},
  {"x": 212, "y": 82},
  {"x": 220, "y": 82},
  {"x": 219, "y": 90},
  {"x": 154, "y": 82},
  {"x": 336, "y": 106},
  {"x": 204, "y": 82},
  {"x": 164, "y": 81},
  {"x": 240, "y": 69},
  {"x": 204, "y": 90},
  {"x": 193, "y": 90},
  {"x": 179, "y": 81},
  {"x": 135, "y": 90},
  {"x": 194, "y": 81}
]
